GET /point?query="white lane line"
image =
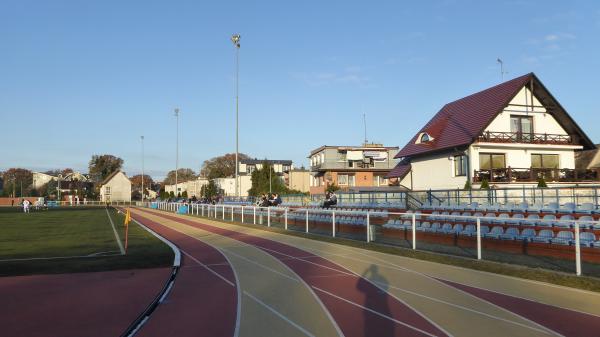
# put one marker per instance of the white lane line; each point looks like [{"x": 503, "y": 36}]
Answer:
[
  {"x": 100, "y": 254},
  {"x": 278, "y": 314},
  {"x": 116, "y": 234},
  {"x": 207, "y": 268},
  {"x": 238, "y": 315},
  {"x": 390, "y": 265},
  {"x": 259, "y": 264},
  {"x": 374, "y": 312}
]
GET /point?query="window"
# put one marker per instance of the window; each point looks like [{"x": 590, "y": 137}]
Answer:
[
  {"x": 522, "y": 126},
  {"x": 342, "y": 179},
  {"x": 350, "y": 180},
  {"x": 250, "y": 168},
  {"x": 545, "y": 161},
  {"x": 379, "y": 180},
  {"x": 107, "y": 190},
  {"x": 460, "y": 165},
  {"x": 489, "y": 161}
]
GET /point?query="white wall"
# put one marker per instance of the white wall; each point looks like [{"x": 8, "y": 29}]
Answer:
[
  {"x": 436, "y": 172},
  {"x": 228, "y": 185},
  {"x": 543, "y": 122},
  {"x": 120, "y": 189},
  {"x": 519, "y": 156}
]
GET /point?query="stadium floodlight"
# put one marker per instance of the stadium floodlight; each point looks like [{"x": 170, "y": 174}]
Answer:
[
  {"x": 177, "y": 153},
  {"x": 235, "y": 38},
  {"x": 142, "y": 138}
]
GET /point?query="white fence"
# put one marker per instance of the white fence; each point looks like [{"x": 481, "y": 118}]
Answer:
[{"x": 385, "y": 227}]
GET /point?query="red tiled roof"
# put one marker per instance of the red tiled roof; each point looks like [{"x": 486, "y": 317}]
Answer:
[
  {"x": 400, "y": 170},
  {"x": 458, "y": 123}
]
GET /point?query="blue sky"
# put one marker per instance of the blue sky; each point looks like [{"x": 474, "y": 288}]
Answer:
[{"x": 79, "y": 77}]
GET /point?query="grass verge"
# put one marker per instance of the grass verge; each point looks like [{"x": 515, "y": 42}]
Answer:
[{"x": 71, "y": 234}]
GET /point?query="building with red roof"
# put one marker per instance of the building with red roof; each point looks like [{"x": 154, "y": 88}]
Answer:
[{"x": 513, "y": 133}]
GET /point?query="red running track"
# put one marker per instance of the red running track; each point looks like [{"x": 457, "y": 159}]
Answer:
[
  {"x": 81, "y": 304},
  {"x": 200, "y": 302},
  {"x": 358, "y": 306}
]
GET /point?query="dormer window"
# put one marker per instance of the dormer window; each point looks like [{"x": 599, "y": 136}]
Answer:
[{"x": 424, "y": 137}]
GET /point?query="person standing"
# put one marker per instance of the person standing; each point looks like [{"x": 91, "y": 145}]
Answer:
[{"x": 26, "y": 204}]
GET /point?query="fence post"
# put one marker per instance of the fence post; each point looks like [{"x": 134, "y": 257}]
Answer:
[
  {"x": 368, "y": 227},
  {"x": 268, "y": 216},
  {"x": 333, "y": 224},
  {"x": 223, "y": 212},
  {"x": 307, "y": 220},
  {"x": 202, "y": 209},
  {"x": 242, "y": 213},
  {"x": 478, "y": 238},
  {"x": 577, "y": 251},
  {"x": 254, "y": 215},
  {"x": 414, "y": 231},
  {"x": 232, "y": 213},
  {"x": 285, "y": 217},
  {"x": 596, "y": 197}
]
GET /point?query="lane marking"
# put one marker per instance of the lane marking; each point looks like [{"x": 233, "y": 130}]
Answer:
[
  {"x": 99, "y": 254},
  {"x": 543, "y": 328},
  {"x": 374, "y": 312},
  {"x": 238, "y": 315},
  {"x": 116, "y": 234},
  {"x": 207, "y": 268},
  {"x": 259, "y": 265},
  {"x": 278, "y": 314}
]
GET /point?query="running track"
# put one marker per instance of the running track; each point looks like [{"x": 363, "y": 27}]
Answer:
[{"x": 237, "y": 281}]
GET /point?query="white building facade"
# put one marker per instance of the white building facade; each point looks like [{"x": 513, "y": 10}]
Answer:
[
  {"x": 513, "y": 134},
  {"x": 116, "y": 187}
]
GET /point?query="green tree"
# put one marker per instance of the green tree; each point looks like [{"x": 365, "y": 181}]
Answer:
[
  {"x": 101, "y": 166},
  {"x": 332, "y": 188},
  {"x": 17, "y": 182},
  {"x": 171, "y": 194},
  {"x": 183, "y": 174},
  {"x": 542, "y": 182},
  {"x": 209, "y": 190},
  {"x": 485, "y": 184},
  {"x": 221, "y": 167},
  {"x": 467, "y": 185},
  {"x": 184, "y": 194},
  {"x": 260, "y": 181}
]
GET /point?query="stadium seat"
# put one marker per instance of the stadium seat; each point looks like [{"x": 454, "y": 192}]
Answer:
[
  {"x": 586, "y": 208},
  {"x": 492, "y": 208},
  {"x": 565, "y": 221},
  {"x": 474, "y": 218},
  {"x": 586, "y": 222},
  {"x": 425, "y": 227},
  {"x": 495, "y": 232},
  {"x": 457, "y": 228},
  {"x": 521, "y": 207},
  {"x": 547, "y": 221},
  {"x": 552, "y": 207},
  {"x": 531, "y": 220},
  {"x": 544, "y": 236},
  {"x": 484, "y": 230},
  {"x": 516, "y": 219},
  {"x": 568, "y": 208},
  {"x": 535, "y": 208},
  {"x": 587, "y": 239},
  {"x": 510, "y": 234},
  {"x": 507, "y": 207},
  {"x": 435, "y": 227},
  {"x": 563, "y": 238},
  {"x": 501, "y": 219},
  {"x": 472, "y": 206},
  {"x": 469, "y": 230},
  {"x": 446, "y": 228},
  {"x": 527, "y": 234},
  {"x": 488, "y": 218}
]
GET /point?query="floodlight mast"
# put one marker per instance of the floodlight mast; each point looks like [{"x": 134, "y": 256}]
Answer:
[
  {"x": 502, "y": 72},
  {"x": 177, "y": 153},
  {"x": 235, "y": 39},
  {"x": 142, "y": 138}
]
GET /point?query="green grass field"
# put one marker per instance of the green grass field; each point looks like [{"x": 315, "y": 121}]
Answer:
[{"x": 74, "y": 240}]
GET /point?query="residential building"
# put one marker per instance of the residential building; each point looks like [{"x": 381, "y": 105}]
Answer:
[
  {"x": 247, "y": 166},
  {"x": 191, "y": 187},
  {"x": 227, "y": 185},
  {"x": 297, "y": 179},
  {"x": 351, "y": 167},
  {"x": 40, "y": 179},
  {"x": 116, "y": 187},
  {"x": 514, "y": 133}
]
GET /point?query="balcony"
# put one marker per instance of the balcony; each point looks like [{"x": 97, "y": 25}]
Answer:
[
  {"x": 529, "y": 138},
  {"x": 357, "y": 165},
  {"x": 529, "y": 175}
]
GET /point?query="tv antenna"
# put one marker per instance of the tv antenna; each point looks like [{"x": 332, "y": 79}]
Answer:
[
  {"x": 502, "y": 72},
  {"x": 365, "y": 125}
]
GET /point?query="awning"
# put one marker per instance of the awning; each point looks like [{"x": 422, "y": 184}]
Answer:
[{"x": 354, "y": 155}]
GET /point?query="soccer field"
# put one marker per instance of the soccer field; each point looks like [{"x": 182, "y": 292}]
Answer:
[{"x": 65, "y": 240}]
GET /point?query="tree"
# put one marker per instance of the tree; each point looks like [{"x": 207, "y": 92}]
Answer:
[
  {"x": 485, "y": 184},
  {"x": 184, "y": 194},
  {"x": 209, "y": 190},
  {"x": 101, "y": 166},
  {"x": 260, "y": 181},
  {"x": 136, "y": 182},
  {"x": 183, "y": 174},
  {"x": 221, "y": 167},
  {"x": 332, "y": 188},
  {"x": 467, "y": 185},
  {"x": 542, "y": 182},
  {"x": 17, "y": 182}
]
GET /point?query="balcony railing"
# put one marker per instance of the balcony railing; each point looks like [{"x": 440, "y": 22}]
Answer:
[
  {"x": 531, "y": 138},
  {"x": 345, "y": 165},
  {"x": 518, "y": 175}
]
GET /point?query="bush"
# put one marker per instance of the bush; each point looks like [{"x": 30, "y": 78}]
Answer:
[
  {"x": 542, "y": 182},
  {"x": 184, "y": 194},
  {"x": 485, "y": 184},
  {"x": 467, "y": 185}
]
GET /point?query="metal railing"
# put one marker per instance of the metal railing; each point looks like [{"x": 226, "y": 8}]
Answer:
[
  {"x": 511, "y": 175},
  {"x": 468, "y": 236},
  {"x": 520, "y": 137}
]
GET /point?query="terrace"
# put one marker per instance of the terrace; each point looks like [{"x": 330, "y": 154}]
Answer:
[
  {"x": 511, "y": 175},
  {"x": 530, "y": 138}
]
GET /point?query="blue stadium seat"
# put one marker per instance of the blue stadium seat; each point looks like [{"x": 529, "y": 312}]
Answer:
[
  {"x": 565, "y": 221},
  {"x": 511, "y": 234},
  {"x": 531, "y": 220},
  {"x": 586, "y": 208},
  {"x": 516, "y": 219},
  {"x": 488, "y": 218},
  {"x": 495, "y": 232},
  {"x": 425, "y": 227},
  {"x": 547, "y": 221},
  {"x": 527, "y": 234},
  {"x": 544, "y": 236},
  {"x": 587, "y": 239},
  {"x": 446, "y": 228},
  {"x": 501, "y": 219},
  {"x": 568, "y": 208},
  {"x": 586, "y": 222},
  {"x": 552, "y": 207},
  {"x": 469, "y": 230},
  {"x": 507, "y": 207},
  {"x": 457, "y": 228},
  {"x": 435, "y": 227},
  {"x": 563, "y": 238}
]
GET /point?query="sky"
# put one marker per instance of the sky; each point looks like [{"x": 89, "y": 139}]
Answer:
[{"x": 79, "y": 78}]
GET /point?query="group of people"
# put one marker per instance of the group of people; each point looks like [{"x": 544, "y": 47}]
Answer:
[
  {"x": 267, "y": 200},
  {"x": 330, "y": 200}
]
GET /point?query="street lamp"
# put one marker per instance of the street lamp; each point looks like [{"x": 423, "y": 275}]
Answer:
[
  {"x": 235, "y": 38},
  {"x": 177, "y": 153},
  {"x": 142, "y": 137}
]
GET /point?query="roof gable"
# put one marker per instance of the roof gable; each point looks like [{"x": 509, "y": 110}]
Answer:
[{"x": 112, "y": 175}]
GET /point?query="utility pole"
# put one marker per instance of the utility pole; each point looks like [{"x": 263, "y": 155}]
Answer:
[
  {"x": 177, "y": 153},
  {"x": 235, "y": 38},
  {"x": 502, "y": 72},
  {"x": 142, "y": 137},
  {"x": 365, "y": 125}
]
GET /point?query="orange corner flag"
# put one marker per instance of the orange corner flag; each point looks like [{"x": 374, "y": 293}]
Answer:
[{"x": 127, "y": 217}]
